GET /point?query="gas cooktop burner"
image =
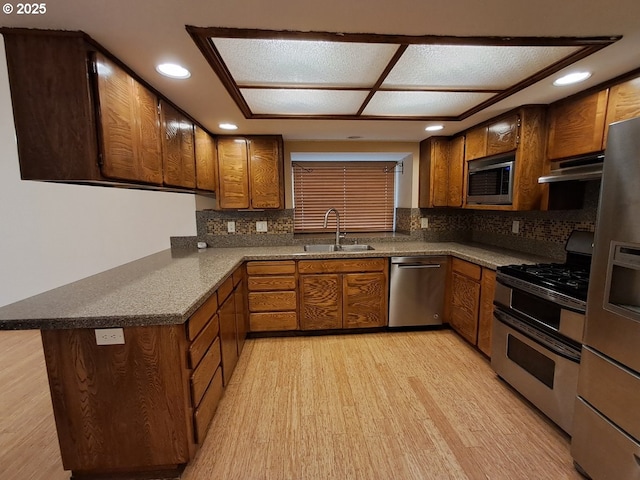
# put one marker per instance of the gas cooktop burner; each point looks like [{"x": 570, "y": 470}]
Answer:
[{"x": 568, "y": 279}]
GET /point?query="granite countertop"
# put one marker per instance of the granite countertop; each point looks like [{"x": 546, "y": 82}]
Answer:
[{"x": 167, "y": 287}]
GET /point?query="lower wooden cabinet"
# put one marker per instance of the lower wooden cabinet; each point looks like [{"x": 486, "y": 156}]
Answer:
[
  {"x": 228, "y": 331},
  {"x": 272, "y": 295},
  {"x": 472, "y": 288},
  {"x": 349, "y": 293}
]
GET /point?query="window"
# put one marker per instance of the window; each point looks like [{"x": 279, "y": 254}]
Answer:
[{"x": 363, "y": 193}]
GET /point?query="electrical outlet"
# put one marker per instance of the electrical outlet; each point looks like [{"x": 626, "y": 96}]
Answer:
[
  {"x": 424, "y": 222},
  {"x": 109, "y": 336},
  {"x": 515, "y": 227},
  {"x": 231, "y": 227},
  {"x": 261, "y": 226}
]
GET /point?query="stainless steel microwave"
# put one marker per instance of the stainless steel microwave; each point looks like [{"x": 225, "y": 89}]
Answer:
[{"x": 490, "y": 180}]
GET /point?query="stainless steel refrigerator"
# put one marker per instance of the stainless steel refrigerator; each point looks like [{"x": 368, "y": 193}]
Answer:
[{"x": 606, "y": 429}]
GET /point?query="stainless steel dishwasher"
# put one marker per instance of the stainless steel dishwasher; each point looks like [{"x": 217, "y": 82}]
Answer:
[{"x": 416, "y": 293}]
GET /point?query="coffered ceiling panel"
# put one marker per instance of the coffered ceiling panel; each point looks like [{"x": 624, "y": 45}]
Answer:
[
  {"x": 289, "y": 74},
  {"x": 423, "y": 104},
  {"x": 297, "y": 63},
  {"x": 478, "y": 67}
]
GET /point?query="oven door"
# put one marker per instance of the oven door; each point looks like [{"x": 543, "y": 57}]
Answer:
[{"x": 543, "y": 369}]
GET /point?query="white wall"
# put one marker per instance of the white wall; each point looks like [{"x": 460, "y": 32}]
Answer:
[{"x": 53, "y": 234}]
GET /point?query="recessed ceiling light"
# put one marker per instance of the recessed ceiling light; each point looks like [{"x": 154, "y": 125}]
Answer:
[
  {"x": 434, "y": 128},
  {"x": 228, "y": 126},
  {"x": 172, "y": 70},
  {"x": 571, "y": 78}
]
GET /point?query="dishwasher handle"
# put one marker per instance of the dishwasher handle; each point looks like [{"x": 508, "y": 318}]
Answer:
[{"x": 418, "y": 265}]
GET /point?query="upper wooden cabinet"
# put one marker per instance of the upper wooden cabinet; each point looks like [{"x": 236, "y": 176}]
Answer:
[
  {"x": 206, "y": 160},
  {"x": 82, "y": 116},
  {"x": 250, "y": 172},
  {"x": 497, "y": 137},
  {"x": 129, "y": 125},
  {"x": 522, "y": 132},
  {"x": 441, "y": 172},
  {"x": 576, "y": 125},
  {"x": 623, "y": 103},
  {"x": 179, "y": 164}
]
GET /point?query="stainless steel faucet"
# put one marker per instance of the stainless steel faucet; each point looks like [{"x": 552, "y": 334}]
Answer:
[{"x": 326, "y": 218}]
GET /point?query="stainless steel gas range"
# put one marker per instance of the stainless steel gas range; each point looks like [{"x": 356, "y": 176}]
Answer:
[{"x": 539, "y": 317}]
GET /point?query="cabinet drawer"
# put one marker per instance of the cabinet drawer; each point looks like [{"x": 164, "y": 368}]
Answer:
[
  {"x": 237, "y": 275},
  {"x": 471, "y": 270},
  {"x": 272, "y": 301},
  {"x": 202, "y": 315},
  {"x": 271, "y": 268},
  {"x": 342, "y": 266},
  {"x": 224, "y": 290},
  {"x": 273, "y": 321},
  {"x": 204, "y": 413},
  {"x": 203, "y": 341},
  {"x": 201, "y": 376},
  {"x": 264, "y": 284}
]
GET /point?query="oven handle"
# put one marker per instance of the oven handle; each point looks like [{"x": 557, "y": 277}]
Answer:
[{"x": 537, "y": 336}]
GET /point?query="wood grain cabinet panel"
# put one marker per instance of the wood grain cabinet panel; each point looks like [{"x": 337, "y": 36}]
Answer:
[
  {"x": 120, "y": 407},
  {"x": 129, "y": 126},
  {"x": 266, "y": 173},
  {"x": 455, "y": 172},
  {"x": 576, "y": 125},
  {"x": 320, "y": 301},
  {"x": 179, "y": 164},
  {"x": 242, "y": 315},
  {"x": 233, "y": 173},
  {"x": 476, "y": 143},
  {"x": 623, "y": 104},
  {"x": 207, "y": 407},
  {"x": 485, "y": 318},
  {"x": 206, "y": 159},
  {"x": 203, "y": 374},
  {"x": 228, "y": 338},
  {"x": 465, "y": 294},
  {"x": 502, "y": 136},
  {"x": 250, "y": 172},
  {"x": 441, "y": 172},
  {"x": 365, "y": 300}
]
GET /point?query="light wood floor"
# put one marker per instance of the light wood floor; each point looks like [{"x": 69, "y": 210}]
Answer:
[{"x": 419, "y": 405}]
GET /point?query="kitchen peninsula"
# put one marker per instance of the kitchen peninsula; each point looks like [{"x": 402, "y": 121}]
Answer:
[{"x": 142, "y": 405}]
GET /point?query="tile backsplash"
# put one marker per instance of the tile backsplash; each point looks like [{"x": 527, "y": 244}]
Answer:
[{"x": 541, "y": 233}]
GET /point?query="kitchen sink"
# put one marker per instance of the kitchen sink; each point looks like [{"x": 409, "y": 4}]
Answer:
[{"x": 330, "y": 247}]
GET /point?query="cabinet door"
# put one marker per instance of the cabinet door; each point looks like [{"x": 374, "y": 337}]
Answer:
[
  {"x": 465, "y": 303},
  {"x": 228, "y": 336},
  {"x": 320, "y": 301},
  {"x": 177, "y": 148},
  {"x": 129, "y": 126},
  {"x": 233, "y": 173},
  {"x": 265, "y": 173},
  {"x": 502, "y": 136},
  {"x": 365, "y": 300},
  {"x": 485, "y": 320},
  {"x": 455, "y": 172},
  {"x": 624, "y": 103},
  {"x": 476, "y": 143},
  {"x": 242, "y": 316},
  {"x": 434, "y": 172},
  {"x": 205, "y": 151},
  {"x": 577, "y": 126}
]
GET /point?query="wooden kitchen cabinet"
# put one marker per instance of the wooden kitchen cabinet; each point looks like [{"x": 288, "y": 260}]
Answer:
[
  {"x": 81, "y": 116},
  {"x": 471, "y": 291},
  {"x": 129, "y": 125},
  {"x": 465, "y": 298},
  {"x": 576, "y": 125},
  {"x": 250, "y": 172},
  {"x": 348, "y": 293},
  {"x": 240, "y": 303},
  {"x": 228, "y": 330},
  {"x": 206, "y": 160},
  {"x": 496, "y": 137},
  {"x": 522, "y": 132},
  {"x": 178, "y": 152},
  {"x": 272, "y": 295},
  {"x": 485, "y": 316},
  {"x": 623, "y": 104},
  {"x": 441, "y": 172}
]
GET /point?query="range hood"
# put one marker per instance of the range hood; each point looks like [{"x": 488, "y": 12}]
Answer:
[{"x": 582, "y": 168}]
